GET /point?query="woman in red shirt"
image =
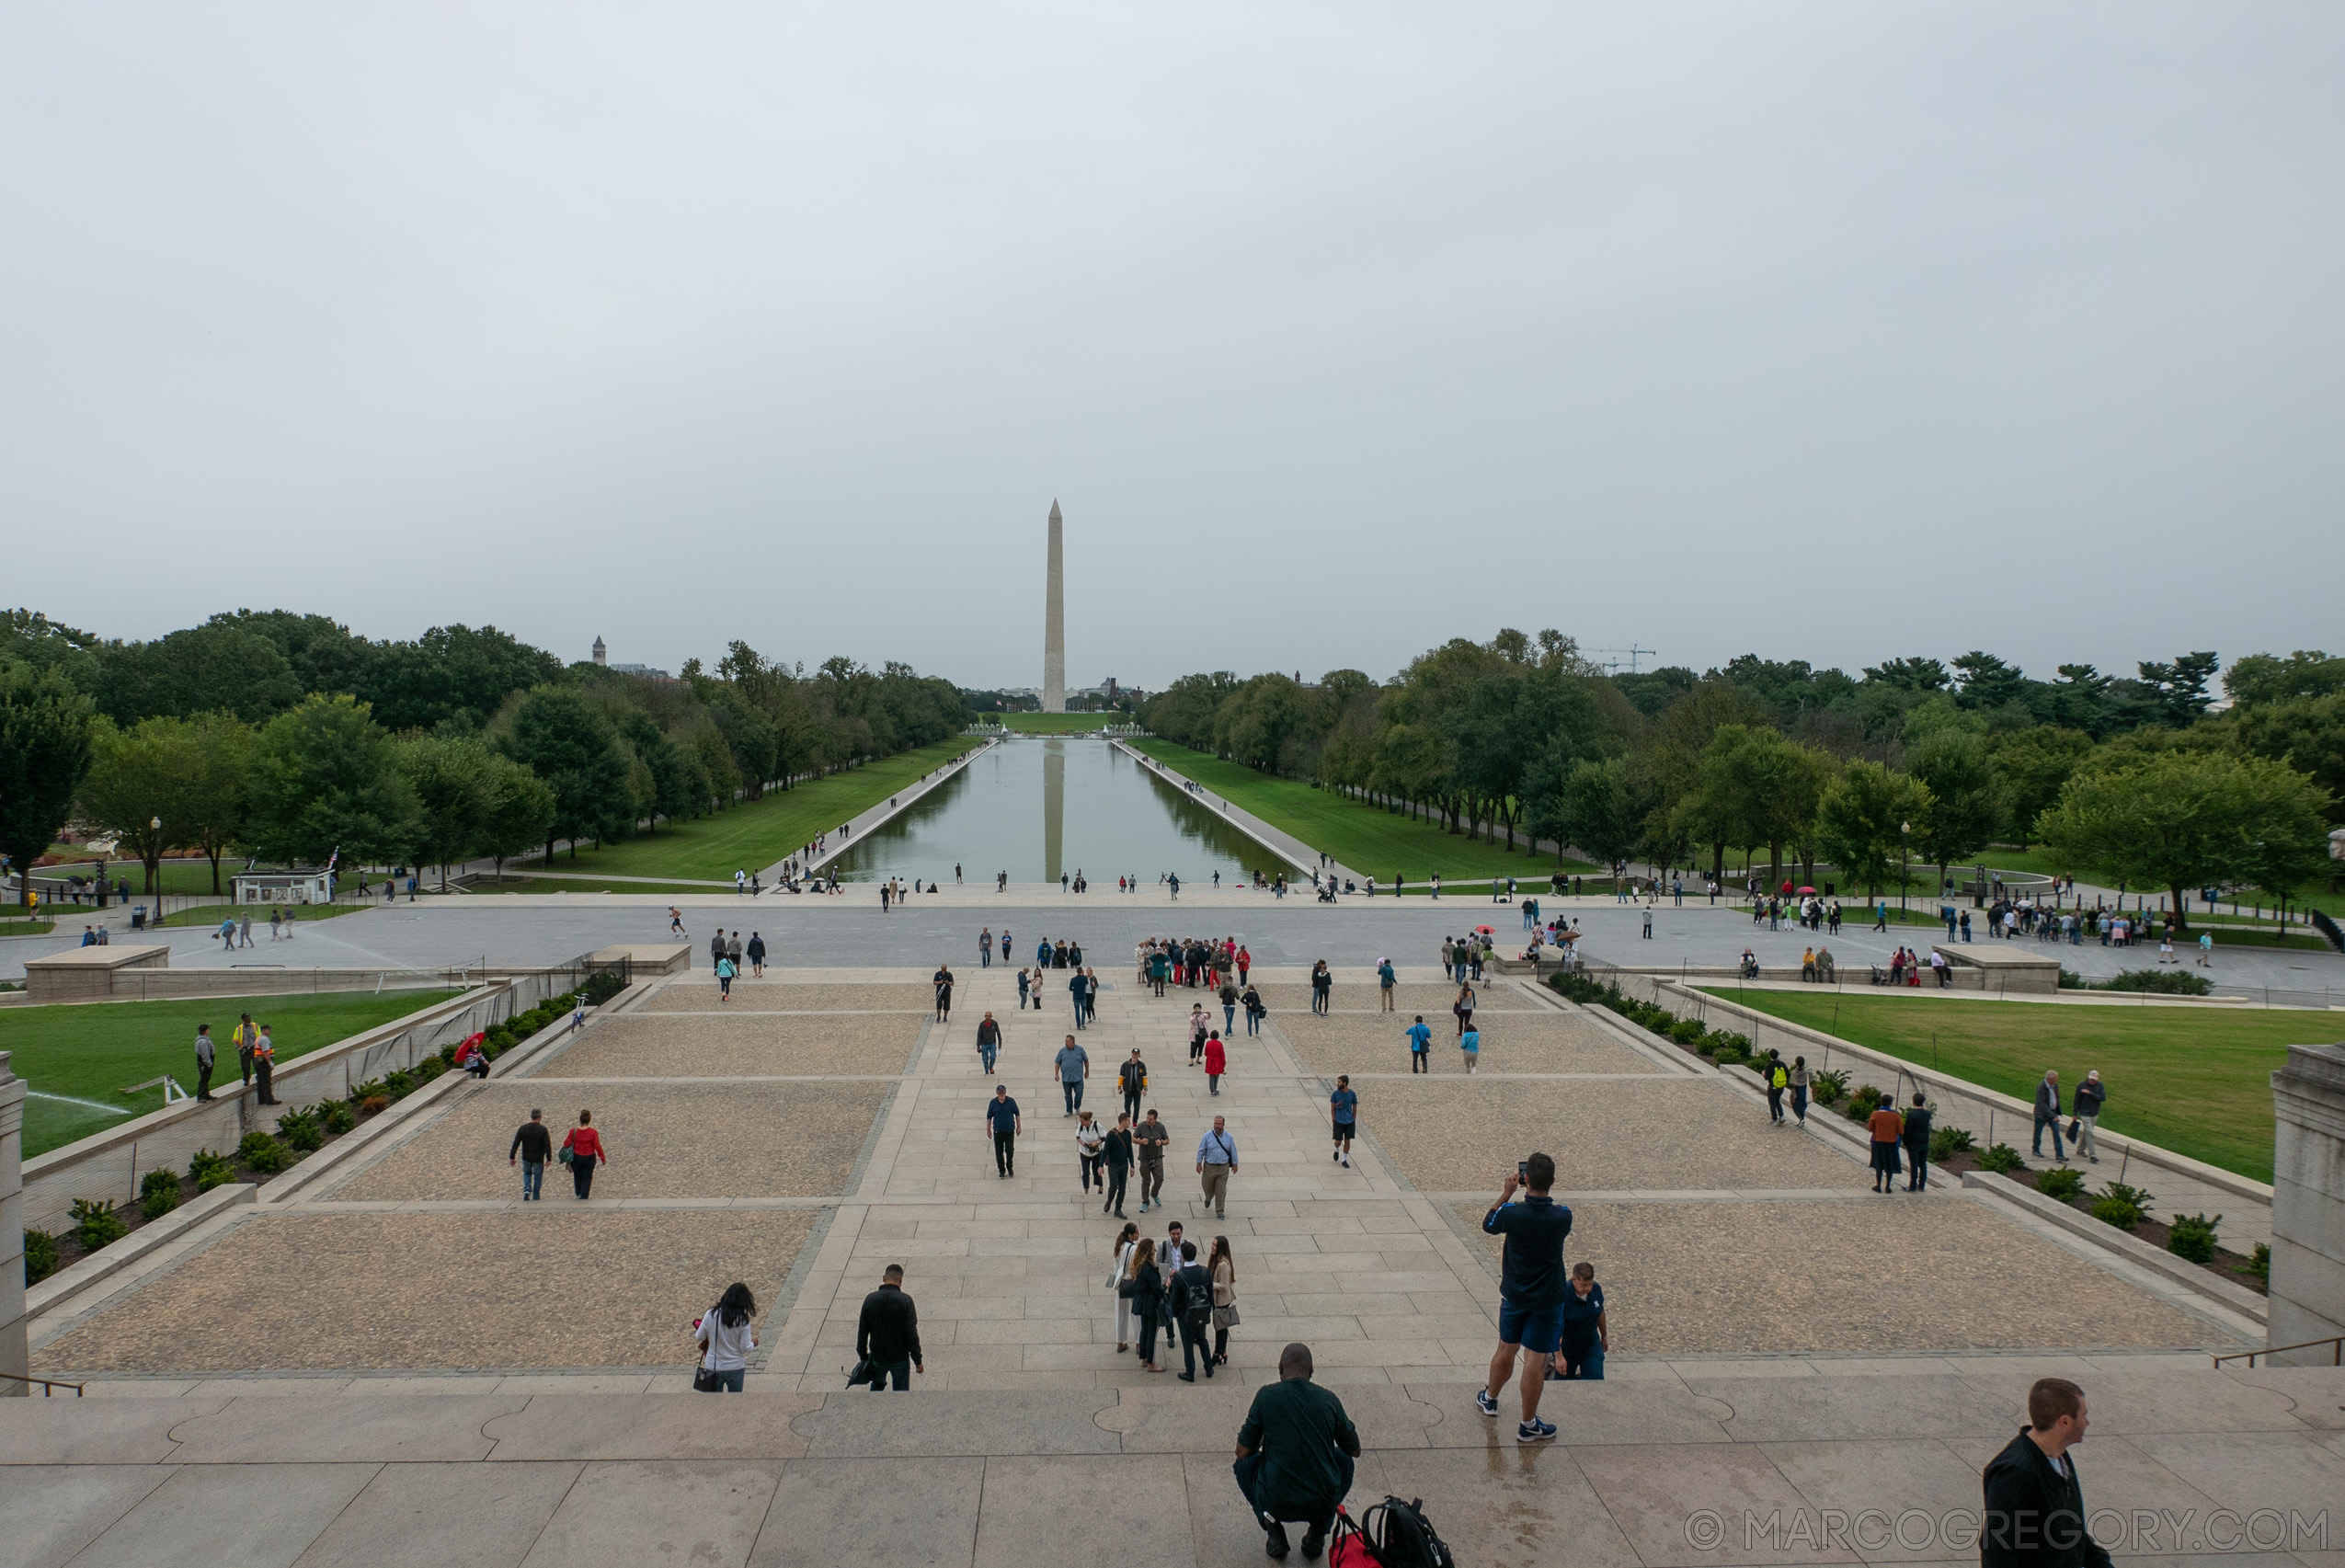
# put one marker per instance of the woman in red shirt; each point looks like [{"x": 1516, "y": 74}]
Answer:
[
  {"x": 1216, "y": 1058},
  {"x": 583, "y": 1146}
]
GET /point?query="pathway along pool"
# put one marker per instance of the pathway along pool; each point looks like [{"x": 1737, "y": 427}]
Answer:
[{"x": 1041, "y": 808}]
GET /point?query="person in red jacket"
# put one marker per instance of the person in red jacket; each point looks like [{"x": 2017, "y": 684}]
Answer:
[
  {"x": 585, "y": 1145},
  {"x": 1217, "y": 1059}
]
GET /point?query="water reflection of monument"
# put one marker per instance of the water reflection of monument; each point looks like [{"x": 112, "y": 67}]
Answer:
[{"x": 1054, "y": 807}]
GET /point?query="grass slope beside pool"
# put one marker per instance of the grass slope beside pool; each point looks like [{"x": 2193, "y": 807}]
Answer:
[
  {"x": 1370, "y": 840},
  {"x": 94, "y": 1051},
  {"x": 2193, "y": 1079},
  {"x": 753, "y": 834},
  {"x": 1059, "y": 724}
]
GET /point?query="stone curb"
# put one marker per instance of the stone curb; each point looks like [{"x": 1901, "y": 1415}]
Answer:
[
  {"x": 108, "y": 1261},
  {"x": 2132, "y": 1248}
]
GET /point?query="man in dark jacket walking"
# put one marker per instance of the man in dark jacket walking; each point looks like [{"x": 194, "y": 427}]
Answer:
[
  {"x": 2035, "y": 1503},
  {"x": 1132, "y": 1079},
  {"x": 1192, "y": 1306},
  {"x": 1116, "y": 1154},
  {"x": 1917, "y": 1145},
  {"x": 887, "y": 1336},
  {"x": 2048, "y": 1114}
]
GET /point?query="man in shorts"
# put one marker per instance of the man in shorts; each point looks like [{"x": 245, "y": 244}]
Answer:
[
  {"x": 1530, "y": 1290},
  {"x": 1343, "y": 1108}
]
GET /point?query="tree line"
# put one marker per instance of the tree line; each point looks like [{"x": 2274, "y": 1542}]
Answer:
[
  {"x": 1522, "y": 739},
  {"x": 288, "y": 738}
]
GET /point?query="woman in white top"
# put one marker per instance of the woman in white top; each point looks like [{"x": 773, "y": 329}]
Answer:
[
  {"x": 1089, "y": 1137},
  {"x": 1124, "y": 1325},
  {"x": 728, "y": 1335}
]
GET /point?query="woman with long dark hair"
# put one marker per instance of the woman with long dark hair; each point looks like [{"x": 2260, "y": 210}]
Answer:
[
  {"x": 727, "y": 1334},
  {"x": 1118, "y": 1271},
  {"x": 1224, "y": 1270},
  {"x": 1147, "y": 1299}
]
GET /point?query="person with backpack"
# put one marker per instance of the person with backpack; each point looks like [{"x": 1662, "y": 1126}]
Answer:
[
  {"x": 1190, "y": 1298},
  {"x": 725, "y": 973},
  {"x": 1778, "y": 1079},
  {"x": 1296, "y": 1454},
  {"x": 1385, "y": 980}
]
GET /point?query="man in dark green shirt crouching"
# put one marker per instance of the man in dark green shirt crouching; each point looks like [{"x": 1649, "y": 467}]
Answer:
[{"x": 1295, "y": 1454}]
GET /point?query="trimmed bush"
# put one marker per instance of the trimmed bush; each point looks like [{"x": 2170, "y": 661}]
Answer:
[
  {"x": 41, "y": 1257},
  {"x": 1826, "y": 1087},
  {"x": 260, "y": 1152},
  {"x": 338, "y": 1115},
  {"x": 301, "y": 1131},
  {"x": 1948, "y": 1142},
  {"x": 96, "y": 1224},
  {"x": 367, "y": 1090},
  {"x": 1864, "y": 1102},
  {"x": 2002, "y": 1159},
  {"x": 2060, "y": 1182},
  {"x": 210, "y": 1169},
  {"x": 2122, "y": 1206},
  {"x": 2259, "y": 1265},
  {"x": 398, "y": 1085},
  {"x": 374, "y": 1105},
  {"x": 1685, "y": 1031},
  {"x": 2191, "y": 1236},
  {"x": 1726, "y": 1053},
  {"x": 2160, "y": 982},
  {"x": 158, "y": 1193},
  {"x": 600, "y": 989}
]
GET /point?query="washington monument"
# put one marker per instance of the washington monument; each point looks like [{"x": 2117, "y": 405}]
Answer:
[{"x": 1054, "y": 620}]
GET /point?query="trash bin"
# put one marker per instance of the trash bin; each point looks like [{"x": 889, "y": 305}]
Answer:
[{"x": 138, "y": 918}]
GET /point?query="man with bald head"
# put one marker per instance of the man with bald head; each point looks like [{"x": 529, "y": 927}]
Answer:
[{"x": 1295, "y": 1454}]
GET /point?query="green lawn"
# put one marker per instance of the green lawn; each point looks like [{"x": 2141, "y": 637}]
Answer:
[
  {"x": 94, "y": 1051},
  {"x": 26, "y": 928},
  {"x": 753, "y": 834},
  {"x": 527, "y": 884},
  {"x": 210, "y": 915},
  {"x": 2192, "y": 1080},
  {"x": 1368, "y": 839}
]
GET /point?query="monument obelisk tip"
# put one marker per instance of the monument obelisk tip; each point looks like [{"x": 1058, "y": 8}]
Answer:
[{"x": 1054, "y": 619}]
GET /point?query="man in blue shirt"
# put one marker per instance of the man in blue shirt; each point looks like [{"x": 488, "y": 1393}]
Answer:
[
  {"x": 1074, "y": 1066},
  {"x": 1343, "y": 1111},
  {"x": 1586, "y": 1336},
  {"x": 1217, "y": 1163},
  {"x": 1420, "y": 1045},
  {"x": 1530, "y": 1290},
  {"x": 1384, "y": 982},
  {"x": 1001, "y": 1121}
]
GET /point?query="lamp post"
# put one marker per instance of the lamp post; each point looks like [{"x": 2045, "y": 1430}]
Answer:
[{"x": 1905, "y": 860}]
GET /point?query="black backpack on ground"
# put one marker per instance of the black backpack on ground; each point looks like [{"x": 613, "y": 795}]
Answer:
[{"x": 1398, "y": 1534}]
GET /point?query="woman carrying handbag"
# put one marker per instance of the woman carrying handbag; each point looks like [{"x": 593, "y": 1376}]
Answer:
[
  {"x": 1117, "y": 1272},
  {"x": 726, "y": 1334},
  {"x": 1225, "y": 1300},
  {"x": 1145, "y": 1287}
]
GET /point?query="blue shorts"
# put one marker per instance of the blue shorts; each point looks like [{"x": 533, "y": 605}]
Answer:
[{"x": 1535, "y": 1329}]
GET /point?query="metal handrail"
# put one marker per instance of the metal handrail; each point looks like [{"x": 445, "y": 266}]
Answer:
[
  {"x": 48, "y": 1386},
  {"x": 2336, "y": 1343}
]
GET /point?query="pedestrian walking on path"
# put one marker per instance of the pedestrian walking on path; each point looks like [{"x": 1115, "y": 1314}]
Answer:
[
  {"x": 1295, "y": 1455},
  {"x": 1149, "y": 1141},
  {"x": 1217, "y": 1060},
  {"x": 1531, "y": 1290},
  {"x": 1197, "y": 1028},
  {"x": 1119, "y": 1268},
  {"x": 1116, "y": 1166},
  {"x": 1189, "y": 1299},
  {"x": 1224, "y": 1271},
  {"x": 2085, "y": 1105},
  {"x": 1003, "y": 1126},
  {"x": 532, "y": 1146},
  {"x": 1144, "y": 1286},
  {"x": 1385, "y": 980},
  {"x": 1917, "y": 1136},
  {"x": 725, "y": 972},
  {"x": 1090, "y": 1138},
  {"x": 1799, "y": 1082},
  {"x": 2048, "y": 1116},
  {"x": 205, "y": 1055},
  {"x": 1254, "y": 1008},
  {"x": 1074, "y": 1066},
  {"x": 1778, "y": 1079},
  {"x": 1217, "y": 1163},
  {"x": 988, "y": 1042},
  {"x": 757, "y": 955},
  {"x": 726, "y": 1333},
  {"x": 2034, "y": 1515},
  {"x": 943, "y": 981},
  {"x": 1464, "y": 1007},
  {"x": 1322, "y": 986},
  {"x": 887, "y": 1336},
  {"x": 1470, "y": 1048},
  {"x": 985, "y": 948},
  {"x": 582, "y": 1150},
  {"x": 1888, "y": 1129},
  {"x": 1131, "y": 1078},
  {"x": 1420, "y": 1040},
  {"x": 1343, "y": 1110}
]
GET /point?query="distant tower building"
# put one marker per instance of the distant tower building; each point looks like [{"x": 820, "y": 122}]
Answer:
[
  {"x": 601, "y": 655},
  {"x": 1054, "y": 619}
]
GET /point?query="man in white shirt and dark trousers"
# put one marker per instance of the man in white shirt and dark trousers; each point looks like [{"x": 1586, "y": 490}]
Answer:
[{"x": 1217, "y": 1163}]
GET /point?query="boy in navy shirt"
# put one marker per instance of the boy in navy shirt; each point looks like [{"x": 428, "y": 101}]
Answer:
[{"x": 1586, "y": 1336}]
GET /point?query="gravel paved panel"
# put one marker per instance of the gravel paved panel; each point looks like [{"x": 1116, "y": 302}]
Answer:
[
  {"x": 1823, "y": 1278},
  {"x": 739, "y": 1047},
  {"x": 1511, "y": 1042},
  {"x": 1460, "y": 1134},
  {"x": 665, "y": 1140},
  {"x": 1433, "y": 1001},
  {"x": 538, "y": 1288},
  {"x": 771, "y": 995}
]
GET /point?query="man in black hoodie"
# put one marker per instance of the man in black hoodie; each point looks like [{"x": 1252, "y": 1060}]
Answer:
[{"x": 2035, "y": 1502}]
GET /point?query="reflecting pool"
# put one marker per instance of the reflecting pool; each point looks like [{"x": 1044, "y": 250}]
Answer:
[{"x": 1041, "y": 806}]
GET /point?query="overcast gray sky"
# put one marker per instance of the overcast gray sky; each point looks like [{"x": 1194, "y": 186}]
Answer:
[{"x": 1824, "y": 331}]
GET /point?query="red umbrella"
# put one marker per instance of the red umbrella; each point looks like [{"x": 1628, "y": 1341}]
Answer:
[
  {"x": 1807, "y": 890},
  {"x": 1486, "y": 930}
]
